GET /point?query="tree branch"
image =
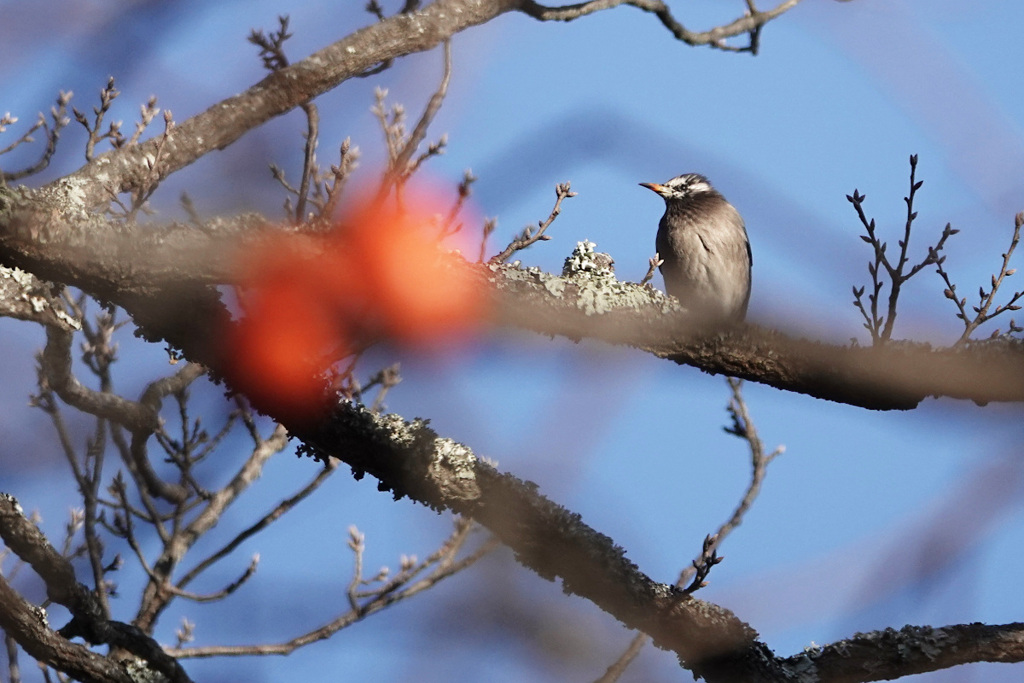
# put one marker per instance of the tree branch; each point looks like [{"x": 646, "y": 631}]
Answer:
[
  {"x": 409, "y": 459},
  {"x": 25, "y": 539},
  {"x": 888, "y": 654},
  {"x": 281, "y": 91},
  {"x": 26, "y": 623},
  {"x": 898, "y": 376},
  {"x": 751, "y": 22}
]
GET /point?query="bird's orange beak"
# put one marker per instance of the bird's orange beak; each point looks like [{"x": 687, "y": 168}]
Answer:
[{"x": 660, "y": 189}]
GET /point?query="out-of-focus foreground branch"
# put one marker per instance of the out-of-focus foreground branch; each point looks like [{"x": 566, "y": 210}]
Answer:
[{"x": 168, "y": 292}]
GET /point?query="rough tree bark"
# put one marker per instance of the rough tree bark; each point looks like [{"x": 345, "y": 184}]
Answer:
[{"x": 165, "y": 278}]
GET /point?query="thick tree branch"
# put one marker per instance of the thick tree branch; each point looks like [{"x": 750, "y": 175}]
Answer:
[
  {"x": 26, "y": 623},
  {"x": 898, "y": 376},
  {"x": 166, "y": 290},
  {"x": 88, "y": 621},
  {"x": 888, "y": 654},
  {"x": 409, "y": 459}
]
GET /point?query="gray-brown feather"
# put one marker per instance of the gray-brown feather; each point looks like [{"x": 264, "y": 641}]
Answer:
[{"x": 703, "y": 242}]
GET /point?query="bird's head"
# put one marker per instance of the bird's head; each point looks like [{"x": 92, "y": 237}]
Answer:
[{"x": 681, "y": 187}]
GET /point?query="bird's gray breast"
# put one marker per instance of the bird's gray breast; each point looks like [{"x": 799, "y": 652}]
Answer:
[{"x": 707, "y": 260}]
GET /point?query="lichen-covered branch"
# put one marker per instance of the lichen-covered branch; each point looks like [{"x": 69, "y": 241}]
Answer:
[
  {"x": 888, "y": 654},
  {"x": 411, "y": 460},
  {"x": 898, "y": 376}
]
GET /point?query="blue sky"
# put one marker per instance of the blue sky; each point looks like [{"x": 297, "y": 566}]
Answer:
[{"x": 840, "y": 96}]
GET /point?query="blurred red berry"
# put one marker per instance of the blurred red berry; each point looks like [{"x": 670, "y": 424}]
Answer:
[
  {"x": 379, "y": 275},
  {"x": 416, "y": 292}
]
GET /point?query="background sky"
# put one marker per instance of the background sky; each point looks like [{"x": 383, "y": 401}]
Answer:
[{"x": 868, "y": 520}]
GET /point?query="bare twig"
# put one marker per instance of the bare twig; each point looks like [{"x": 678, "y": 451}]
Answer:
[
  {"x": 274, "y": 59},
  {"x": 357, "y": 544},
  {"x": 619, "y": 666},
  {"x": 328, "y": 196},
  {"x": 152, "y": 399},
  {"x": 272, "y": 46},
  {"x": 249, "y": 572},
  {"x": 147, "y": 112},
  {"x": 308, "y": 159},
  {"x": 402, "y": 147},
  {"x": 986, "y": 299},
  {"x": 374, "y": 8},
  {"x": 880, "y": 325},
  {"x": 58, "y": 120},
  {"x": 124, "y": 527},
  {"x": 13, "y": 669},
  {"x": 531, "y": 235},
  {"x": 113, "y": 132},
  {"x": 387, "y": 378},
  {"x": 186, "y": 633},
  {"x": 489, "y": 227},
  {"x": 392, "y": 123},
  {"x": 150, "y": 180},
  {"x": 742, "y": 427},
  {"x": 441, "y": 564},
  {"x": 701, "y": 566},
  {"x": 652, "y": 265},
  {"x": 89, "y": 485},
  {"x": 266, "y": 520},
  {"x": 449, "y": 225}
]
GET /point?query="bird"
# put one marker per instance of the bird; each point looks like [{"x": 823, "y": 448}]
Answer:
[{"x": 705, "y": 253}]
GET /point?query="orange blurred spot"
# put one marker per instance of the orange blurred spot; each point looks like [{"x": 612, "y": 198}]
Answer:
[
  {"x": 417, "y": 293},
  {"x": 379, "y": 274},
  {"x": 274, "y": 354}
]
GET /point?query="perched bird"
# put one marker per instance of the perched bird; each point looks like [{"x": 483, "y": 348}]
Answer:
[{"x": 704, "y": 246}]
